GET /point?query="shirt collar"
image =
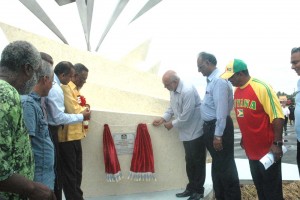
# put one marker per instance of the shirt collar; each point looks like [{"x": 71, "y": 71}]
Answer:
[
  {"x": 213, "y": 75},
  {"x": 72, "y": 85},
  {"x": 56, "y": 79},
  {"x": 35, "y": 96},
  {"x": 179, "y": 87}
]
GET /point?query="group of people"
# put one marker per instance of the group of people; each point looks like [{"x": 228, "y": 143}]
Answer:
[
  {"x": 41, "y": 130},
  {"x": 41, "y": 125},
  {"x": 289, "y": 115},
  {"x": 207, "y": 124},
  {"x": 286, "y": 113}
]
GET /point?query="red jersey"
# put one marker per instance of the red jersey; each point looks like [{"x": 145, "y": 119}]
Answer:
[{"x": 256, "y": 106}]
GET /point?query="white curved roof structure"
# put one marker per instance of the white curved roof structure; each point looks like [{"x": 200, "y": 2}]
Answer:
[{"x": 85, "y": 11}]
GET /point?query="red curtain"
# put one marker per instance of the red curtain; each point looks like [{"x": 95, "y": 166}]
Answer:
[
  {"x": 142, "y": 163},
  {"x": 112, "y": 166}
]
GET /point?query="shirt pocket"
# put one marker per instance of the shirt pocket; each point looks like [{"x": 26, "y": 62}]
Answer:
[
  {"x": 208, "y": 98},
  {"x": 43, "y": 127}
]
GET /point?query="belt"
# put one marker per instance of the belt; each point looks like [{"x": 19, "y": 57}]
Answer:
[
  {"x": 56, "y": 126},
  {"x": 213, "y": 121},
  {"x": 210, "y": 122}
]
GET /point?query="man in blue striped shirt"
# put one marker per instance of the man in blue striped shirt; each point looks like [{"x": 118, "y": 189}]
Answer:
[
  {"x": 185, "y": 107},
  {"x": 218, "y": 129},
  {"x": 63, "y": 72}
]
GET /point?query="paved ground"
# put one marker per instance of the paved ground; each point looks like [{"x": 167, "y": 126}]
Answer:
[{"x": 291, "y": 144}]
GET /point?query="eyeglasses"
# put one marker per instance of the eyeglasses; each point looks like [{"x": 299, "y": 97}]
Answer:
[
  {"x": 53, "y": 82},
  {"x": 295, "y": 49}
]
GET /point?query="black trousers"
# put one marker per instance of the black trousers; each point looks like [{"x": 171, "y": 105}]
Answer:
[
  {"x": 268, "y": 182},
  {"x": 224, "y": 172},
  {"x": 285, "y": 123},
  {"x": 298, "y": 155},
  {"x": 292, "y": 118},
  {"x": 71, "y": 168},
  {"x": 57, "y": 184},
  {"x": 195, "y": 158}
]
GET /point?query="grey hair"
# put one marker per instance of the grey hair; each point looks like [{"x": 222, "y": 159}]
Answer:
[
  {"x": 295, "y": 50},
  {"x": 19, "y": 53},
  {"x": 209, "y": 57},
  {"x": 46, "y": 69}
]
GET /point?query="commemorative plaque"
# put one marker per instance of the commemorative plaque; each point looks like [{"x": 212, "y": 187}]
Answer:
[{"x": 124, "y": 143}]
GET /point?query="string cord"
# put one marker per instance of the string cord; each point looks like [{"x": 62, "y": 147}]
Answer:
[{"x": 121, "y": 125}]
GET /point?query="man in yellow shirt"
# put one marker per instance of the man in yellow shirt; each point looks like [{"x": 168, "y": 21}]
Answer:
[{"x": 70, "y": 136}]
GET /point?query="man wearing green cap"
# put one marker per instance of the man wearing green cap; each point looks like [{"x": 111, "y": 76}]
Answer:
[
  {"x": 260, "y": 118},
  {"x": 218, "y": 131}
]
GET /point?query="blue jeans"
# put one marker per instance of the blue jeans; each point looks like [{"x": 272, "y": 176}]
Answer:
[{"x": 45, "y": 176}]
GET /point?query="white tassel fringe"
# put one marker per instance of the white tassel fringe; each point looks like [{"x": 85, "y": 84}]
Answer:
[{"x": 141, "y": 176}]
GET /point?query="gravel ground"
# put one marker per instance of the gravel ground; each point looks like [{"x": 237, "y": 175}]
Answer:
[{"x": 291, "y": 191}]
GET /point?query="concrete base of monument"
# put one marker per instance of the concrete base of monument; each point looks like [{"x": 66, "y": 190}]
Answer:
[{"x": 288, "y": 175}]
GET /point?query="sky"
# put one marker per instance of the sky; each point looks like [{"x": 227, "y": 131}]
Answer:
[{"x": 262, "y": 33}]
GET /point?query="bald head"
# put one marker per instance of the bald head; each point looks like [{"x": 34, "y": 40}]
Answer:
[
  {"x": 170, "y": 80},
  {"x": 168, "y": 75}
]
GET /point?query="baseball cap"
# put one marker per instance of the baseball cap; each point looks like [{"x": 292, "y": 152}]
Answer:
[{"x": 232, "y": 67}]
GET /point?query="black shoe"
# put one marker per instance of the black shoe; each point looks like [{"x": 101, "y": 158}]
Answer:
[
  {"x": 196, "y": 196},
  {"x": 186, "y": 193}
]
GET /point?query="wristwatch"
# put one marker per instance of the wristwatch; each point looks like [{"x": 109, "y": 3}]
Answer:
[{"x": 278, "y": 143}]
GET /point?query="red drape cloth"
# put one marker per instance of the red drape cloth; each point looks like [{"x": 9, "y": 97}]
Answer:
[
  {"x": 142, "y": 163},
  {"x": 112, "y": 166}
]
